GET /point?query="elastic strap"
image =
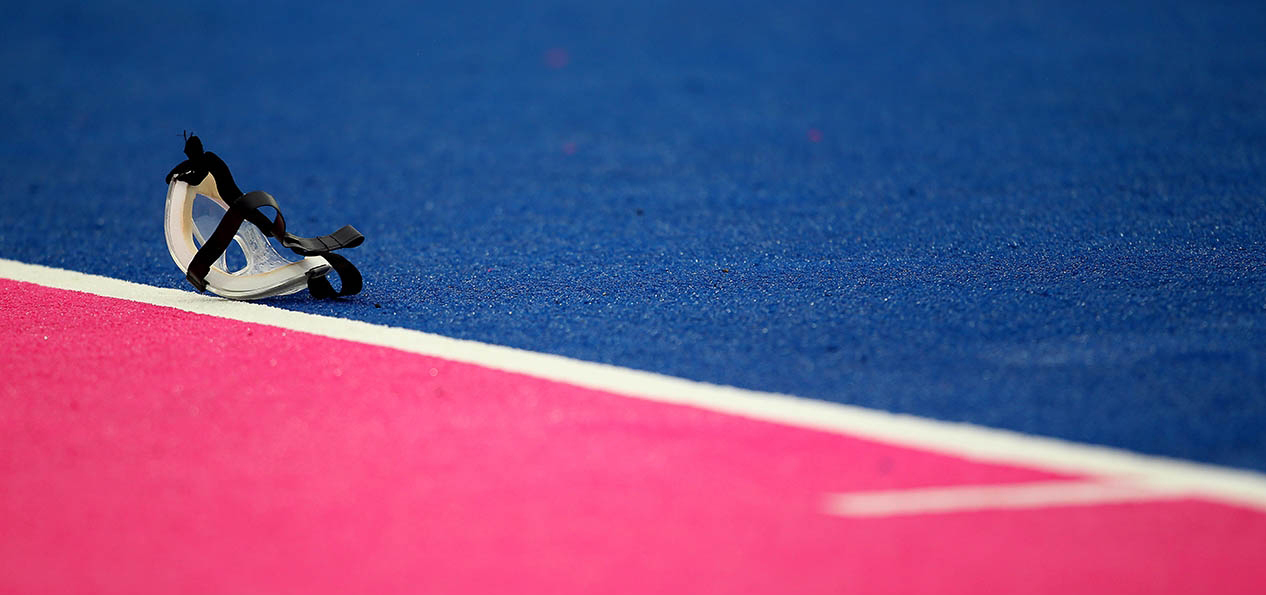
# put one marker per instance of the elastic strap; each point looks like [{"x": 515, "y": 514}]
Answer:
[
  {"x": 345, "y": 237},
  {"x": 320, "y": 286}
]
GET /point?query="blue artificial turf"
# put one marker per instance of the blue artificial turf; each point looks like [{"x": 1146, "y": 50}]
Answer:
[{"x": 1043, "y": 216}]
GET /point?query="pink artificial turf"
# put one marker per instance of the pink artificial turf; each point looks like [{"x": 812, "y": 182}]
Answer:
[{"x": 149, "y": 450}]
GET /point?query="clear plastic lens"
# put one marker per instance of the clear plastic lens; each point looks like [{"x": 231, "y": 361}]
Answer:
[
  {"x": 206, "y": 216},
  {"x": 250, "y": 252}
]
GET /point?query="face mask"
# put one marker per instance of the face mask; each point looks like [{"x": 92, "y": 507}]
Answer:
[{"x": 204, "y": 220}]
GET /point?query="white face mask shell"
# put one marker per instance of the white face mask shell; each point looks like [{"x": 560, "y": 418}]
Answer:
[{"x": 266, "y": 273}]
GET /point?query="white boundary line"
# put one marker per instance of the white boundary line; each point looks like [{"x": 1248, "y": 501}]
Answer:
[
  {"x": 969, "y": 498},
  {"x": 1162, "y": 475}
]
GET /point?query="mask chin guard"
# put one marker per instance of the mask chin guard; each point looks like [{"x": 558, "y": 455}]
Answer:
[{"x": 203, "y": 217}]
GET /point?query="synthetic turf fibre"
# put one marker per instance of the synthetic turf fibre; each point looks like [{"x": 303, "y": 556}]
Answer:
[{"x": 1045, "y": 216}]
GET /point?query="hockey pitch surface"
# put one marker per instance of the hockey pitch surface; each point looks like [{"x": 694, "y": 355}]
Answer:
[{"x": 741, "y": 297}]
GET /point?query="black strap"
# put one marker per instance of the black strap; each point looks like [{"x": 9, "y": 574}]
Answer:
[
  {"x": 200, "y": 163},
  {"x": 244, "y": 207},
  {"x": 345, "y": 237},
  {"x": 320, "y": 287}
]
